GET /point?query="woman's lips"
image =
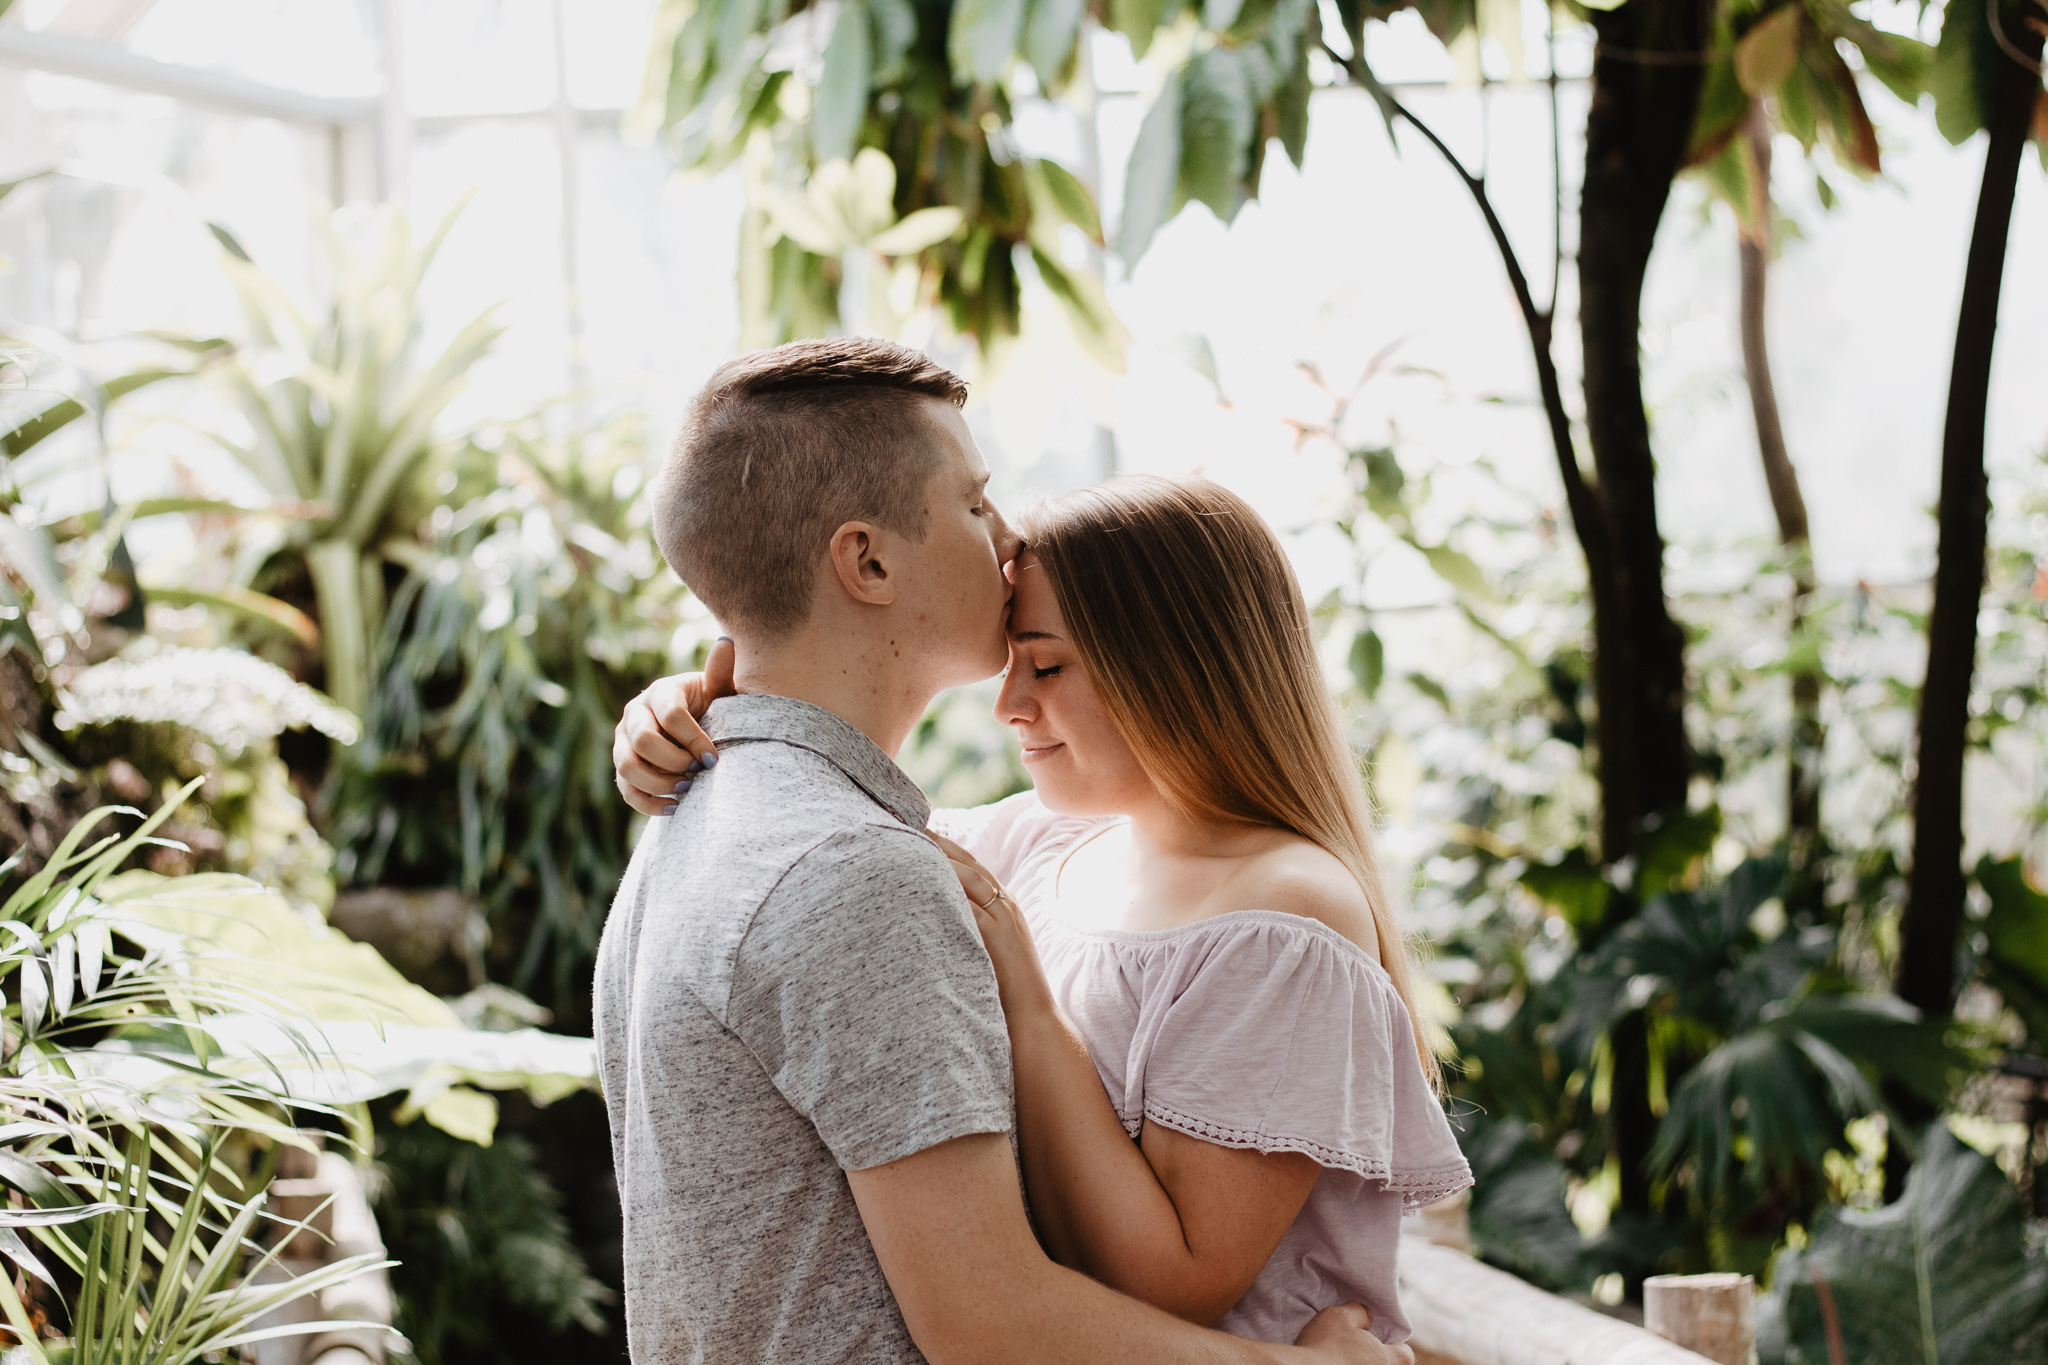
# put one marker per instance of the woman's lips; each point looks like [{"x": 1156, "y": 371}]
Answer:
[{"x": 1035, "y": 752}]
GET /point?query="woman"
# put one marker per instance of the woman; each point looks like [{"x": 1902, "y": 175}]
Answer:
[{"x": 1223, "y": 1102}]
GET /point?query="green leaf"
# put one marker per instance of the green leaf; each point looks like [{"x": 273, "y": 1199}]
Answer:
[
  {"x": 8, "y": 187},
  {"x": 461, "y": 1112},
  {"x": 89, "y": 520},
  {"x": 926, "y": 227},
  {"x": 255, "y": 608},
  {"x": 1050, "y": 28},
  {"x": 1094, "y": 324},
  {"x": 1964, "y": 72},
  {"x": 1429, "y": 687},
  {"x": 1154, "y": 171},
  {"x": 68, "y": 410},
  {"x": 1851, "y": 135},
  {"x": 2016, "y": 949},
  {"x": 895, "y": 32},
  {"x": 1776, "y": 1099},
  {"x": 1219, "y": 114},
  {"x": 842, "y": 97},
  {"x": 2017, "y": 928},
  {"x": 1900, "y": 63},
  {"x": 1458, "y": 570},
  {"x": 1765, "y": 1095},
  {"x": 229, "y": 243},
  {"x": 1767, "y": 53},
  {"x": 1796, "y": 107},
  {"x": 43, "y": 1190},
  {"x": 1729, "y": 175},
  {"x": 1368, "y": 661},
  {"x": 1669, "y": 847},
  {"x": 1139, "y": 20},
  {"x": 981, "y": 38},
  {"x": 1519, "y": 1217},
  {"x": 1573, "y": 886},
  {"x": 1290, "y": 106},
  {"x": 1054, "y": 186},
  {"x": 1220, "y": 14},
  {"x": 263, "y": 944},
  {"x": 1943, "y": 1276},
  {"x": 1723, "y": 106}
]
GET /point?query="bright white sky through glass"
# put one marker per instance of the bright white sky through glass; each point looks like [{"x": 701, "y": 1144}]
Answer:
[{"x": 1363, "y": 250}]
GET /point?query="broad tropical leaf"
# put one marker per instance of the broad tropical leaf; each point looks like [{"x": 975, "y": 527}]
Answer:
[
  {"x": 1944, "y": 1276},
  {"x": 1519, "y": 1218}
]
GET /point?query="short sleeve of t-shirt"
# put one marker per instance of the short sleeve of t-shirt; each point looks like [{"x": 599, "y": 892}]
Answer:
[{"x": 863, "y": 987}]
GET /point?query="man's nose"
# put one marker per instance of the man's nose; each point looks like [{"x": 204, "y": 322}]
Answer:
[{"x": 1007, "y": 542}]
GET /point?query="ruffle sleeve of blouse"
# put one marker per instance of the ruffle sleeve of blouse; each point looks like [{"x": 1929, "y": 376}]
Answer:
[
  {"x": 1012, "y": 836},
  {"x": 1285, "y": 1037}
]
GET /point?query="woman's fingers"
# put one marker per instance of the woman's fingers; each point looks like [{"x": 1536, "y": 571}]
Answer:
[
  {"x": 658, "y": 747},
  {"x": 642, "y": 801},
  {"x": 718, "y": 670},
  {"x": 669, "y": 730}
]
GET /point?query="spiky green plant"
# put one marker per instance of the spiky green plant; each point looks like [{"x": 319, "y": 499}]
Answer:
[
  {"x": 119, "y": 1112},
  {"x": 345, "y": 410}
]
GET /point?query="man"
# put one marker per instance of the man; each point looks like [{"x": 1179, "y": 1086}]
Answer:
[{"x": 804, "y": 1059}]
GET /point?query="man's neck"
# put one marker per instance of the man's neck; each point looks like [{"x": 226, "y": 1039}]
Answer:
[{"x": 862, "y": 681}]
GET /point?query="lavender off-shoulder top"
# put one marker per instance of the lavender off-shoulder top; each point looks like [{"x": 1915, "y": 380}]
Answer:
[{"x": 1253, "y": 1029}]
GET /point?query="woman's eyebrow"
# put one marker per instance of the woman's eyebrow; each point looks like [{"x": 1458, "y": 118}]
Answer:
[{"x": 1026, "y": 635}]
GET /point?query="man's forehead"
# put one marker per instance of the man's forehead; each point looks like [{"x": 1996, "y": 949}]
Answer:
[{"x": 968, "y": 453}]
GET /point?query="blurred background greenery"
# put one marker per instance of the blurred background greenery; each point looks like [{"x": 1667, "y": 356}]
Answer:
[{"x": 1729, "y": 880}]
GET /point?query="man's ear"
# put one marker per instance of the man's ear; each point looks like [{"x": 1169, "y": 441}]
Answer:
[{"x": 859, "y": 557}]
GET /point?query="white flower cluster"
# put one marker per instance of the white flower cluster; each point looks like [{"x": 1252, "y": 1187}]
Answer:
[{"x": 232, "y": 698}]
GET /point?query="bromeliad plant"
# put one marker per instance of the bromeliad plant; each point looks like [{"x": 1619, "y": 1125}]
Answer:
[
  {"x": 126, "y": 1138},
  {"x": 344, "y": 409}
]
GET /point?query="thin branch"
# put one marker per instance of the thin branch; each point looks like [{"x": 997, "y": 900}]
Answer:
[
  {"x": 1556, "y": 163},
  {"x": 1578, "y": 494}
]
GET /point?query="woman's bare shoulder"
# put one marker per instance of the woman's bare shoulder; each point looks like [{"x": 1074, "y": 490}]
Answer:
[{"x": 1297, "y": 877}]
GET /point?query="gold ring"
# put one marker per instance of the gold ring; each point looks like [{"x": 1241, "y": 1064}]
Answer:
[{"x": 993, "y": 897}]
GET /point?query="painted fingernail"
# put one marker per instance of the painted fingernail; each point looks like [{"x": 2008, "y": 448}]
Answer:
[
  {"x": 709, "y": 760},
  {"x": 669, "y": 809},
  {"x": 725, "y": 639},
  {"x": 696, "y": 766},
  {"x": 680, "y": 787}
]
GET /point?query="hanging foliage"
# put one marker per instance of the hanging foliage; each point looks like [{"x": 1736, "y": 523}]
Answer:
[{"x": 883, "y": 178}]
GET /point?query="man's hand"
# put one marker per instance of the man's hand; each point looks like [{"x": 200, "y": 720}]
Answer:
[
  {"x": 1341, "y": 1334},
  {"x": 658, "y": 747}
]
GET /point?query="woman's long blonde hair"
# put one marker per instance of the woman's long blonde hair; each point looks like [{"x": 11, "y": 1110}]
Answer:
[{"x": 1188, "y": 618}]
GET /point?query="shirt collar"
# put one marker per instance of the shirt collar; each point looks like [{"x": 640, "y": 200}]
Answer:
[{"x": 785, "y": 720}]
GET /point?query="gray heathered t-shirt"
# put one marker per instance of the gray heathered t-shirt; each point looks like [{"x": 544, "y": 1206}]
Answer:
[{"x": 790, "y": 987}]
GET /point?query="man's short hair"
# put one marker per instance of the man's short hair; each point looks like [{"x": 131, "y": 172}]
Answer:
[{"x": 782, "y": 447}]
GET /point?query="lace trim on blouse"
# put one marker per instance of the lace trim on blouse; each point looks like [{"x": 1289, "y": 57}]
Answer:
[{"x": 1416, "y": 1188}]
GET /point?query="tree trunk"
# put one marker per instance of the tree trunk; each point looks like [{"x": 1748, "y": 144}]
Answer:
[
  {"x": 1925, "y": 975},
  {"x": 1802, "y": 777},
  {"x": 1647, "y": 74}
]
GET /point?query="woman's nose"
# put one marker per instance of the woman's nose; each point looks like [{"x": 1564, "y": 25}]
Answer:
[{"x": 1013, "y": 703}]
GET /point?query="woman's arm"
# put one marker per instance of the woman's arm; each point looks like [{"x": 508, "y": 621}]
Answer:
[
  {"x": 658, "y": 743},
  {"x": 1183, "y": 1224}
]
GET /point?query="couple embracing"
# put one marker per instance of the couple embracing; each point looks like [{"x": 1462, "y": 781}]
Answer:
[{"x": 1120, "y": 1069}]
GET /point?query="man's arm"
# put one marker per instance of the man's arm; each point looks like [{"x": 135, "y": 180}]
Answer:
[{"x": 949, "y": 1228}]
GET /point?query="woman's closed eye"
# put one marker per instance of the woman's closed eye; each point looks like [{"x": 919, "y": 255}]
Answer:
[{"x": 1042, "y": 673}]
